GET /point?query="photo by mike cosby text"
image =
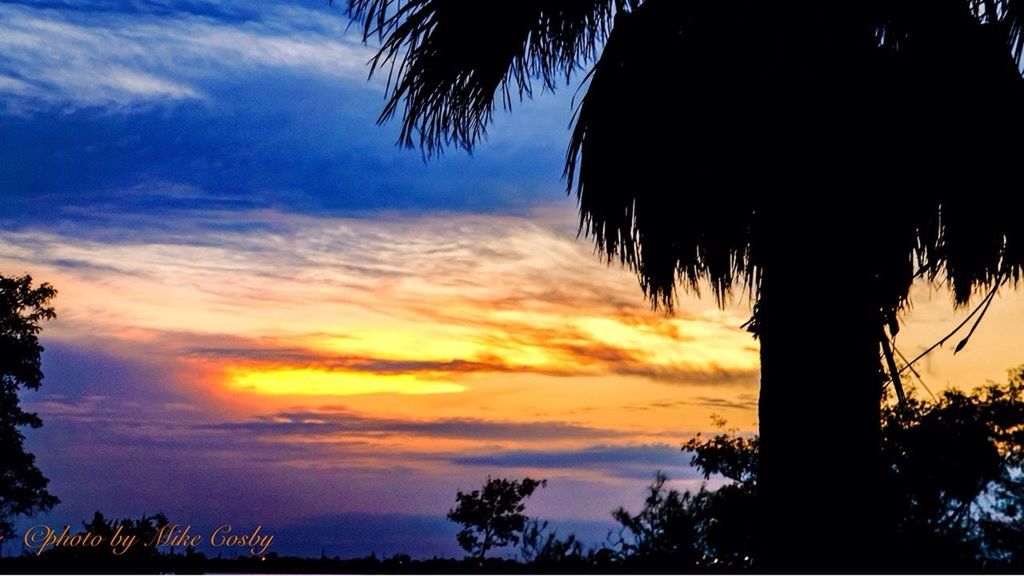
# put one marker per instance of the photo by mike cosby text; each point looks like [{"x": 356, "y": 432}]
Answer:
[{"x": 41, "y": 537}]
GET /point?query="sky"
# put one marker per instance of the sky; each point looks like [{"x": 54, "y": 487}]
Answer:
[{"x": 269, "y": 313}]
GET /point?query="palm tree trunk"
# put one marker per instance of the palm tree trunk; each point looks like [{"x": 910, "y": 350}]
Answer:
[{"x": 819, "y": 405}]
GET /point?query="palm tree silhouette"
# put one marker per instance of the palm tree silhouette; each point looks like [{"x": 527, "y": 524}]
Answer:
[{"x": 820, "y": 155}]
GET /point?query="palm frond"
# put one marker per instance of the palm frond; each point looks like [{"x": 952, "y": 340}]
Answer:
[
  {"x": 1007, "y": 17},
  {"x": 651, "y": 165},
  {"x": 702, "y": 121},
  {"x": 448, "y": 61},
  {"x": 681, "y": 182}
]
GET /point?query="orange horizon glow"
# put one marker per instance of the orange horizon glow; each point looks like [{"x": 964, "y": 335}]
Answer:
[{"x": 419, "y": 336}]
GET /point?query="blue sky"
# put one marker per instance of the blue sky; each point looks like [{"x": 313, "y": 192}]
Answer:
[{"x": 152, "y": 108}]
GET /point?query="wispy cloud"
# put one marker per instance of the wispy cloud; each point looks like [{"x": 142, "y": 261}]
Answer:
[
  {"x": 623, "y": 460},
  {"x": 76, "y": 58},
  {"x": 432, "y": 298},
  {"x": 344, "y": 423}
]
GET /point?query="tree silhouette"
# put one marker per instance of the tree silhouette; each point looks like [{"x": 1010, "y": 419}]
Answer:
[
  {"x": 954, "y": 486},
  {"x": 542, "y": 547},
  {"x": 819, "y": 155},
  {"x": 492, "y": 517},
  {"x": 665, "y": 530},
  {"x": 22, "y": 485}
]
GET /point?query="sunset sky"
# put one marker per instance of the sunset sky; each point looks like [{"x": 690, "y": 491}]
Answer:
[{"x": 269, "y": 313}]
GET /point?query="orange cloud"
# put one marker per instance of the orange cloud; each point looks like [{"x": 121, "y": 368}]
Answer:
[{"x": 497, "y": 316}]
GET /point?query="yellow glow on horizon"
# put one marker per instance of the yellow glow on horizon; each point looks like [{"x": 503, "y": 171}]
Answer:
[
  {"x": 440, "y": 344},
  {"x": 318, "y": 382}
]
